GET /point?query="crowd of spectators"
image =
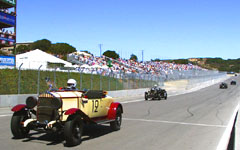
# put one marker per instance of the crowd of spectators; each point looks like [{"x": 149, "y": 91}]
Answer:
[
  {"x": 97, "y": 64},
  {"x": 6, "y": 11}
]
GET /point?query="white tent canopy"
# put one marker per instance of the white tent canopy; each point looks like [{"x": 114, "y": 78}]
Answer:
[
  {"x": 35, "y": 58},
  {"x": 85, "y": 66},
  {"x": 76, "y": 66}
]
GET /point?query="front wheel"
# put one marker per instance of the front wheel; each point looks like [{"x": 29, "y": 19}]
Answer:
[
  {"x": 17, "y": 128},
  {"x": 73, "y": 131},
  {"x": 116, "y": 124}
]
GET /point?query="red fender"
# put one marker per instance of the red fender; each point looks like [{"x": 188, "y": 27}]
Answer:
[
  {"x": 18, "y": 107},
  {"x": 71, "y": 111},
  {"x": 113, "y": 109}
]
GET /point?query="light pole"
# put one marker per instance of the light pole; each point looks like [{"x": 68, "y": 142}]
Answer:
[{"x": 100, "y": 47}]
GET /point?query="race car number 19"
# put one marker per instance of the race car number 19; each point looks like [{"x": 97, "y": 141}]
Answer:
[{"x": 95, "y": 105}]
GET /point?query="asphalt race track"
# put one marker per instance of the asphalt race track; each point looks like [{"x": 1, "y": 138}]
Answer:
[{"x": 193, "y": 121}]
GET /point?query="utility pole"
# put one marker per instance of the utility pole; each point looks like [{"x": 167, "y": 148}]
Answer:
[
  {"x": 142, "y": 55},
  {"x": 100, "y": 47}
]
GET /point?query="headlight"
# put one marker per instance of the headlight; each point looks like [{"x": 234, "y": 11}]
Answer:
[{"x": 31, "y": 102}]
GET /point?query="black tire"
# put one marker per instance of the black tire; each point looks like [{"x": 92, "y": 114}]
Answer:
[
  {"x": 146, "y": 96},
  {"x": 159, "y": 96},
  {"x": 73, "y": 131},
  {"x": 116, "y": 124},
  {"x": 165, "y": 97},
  {"x": 17, "y": 128}
]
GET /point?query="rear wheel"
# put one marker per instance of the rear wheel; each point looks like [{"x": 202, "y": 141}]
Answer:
[
  {"x": 73, "y": 131},
  {"x": 146, "y": 96},
  {"x": 17, "y": 128},
  {"x": 165, "y": 96},
  {"x": 159, "y": 96},
  {"x": 116, "y": 124}
]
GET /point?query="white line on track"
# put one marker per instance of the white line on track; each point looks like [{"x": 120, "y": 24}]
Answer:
[
  {"x": 131, "y": 101},
  {"x": 223, "y": 143},
  {"x": 5, "y": 115},
  {"x": 173, "y": 122}
]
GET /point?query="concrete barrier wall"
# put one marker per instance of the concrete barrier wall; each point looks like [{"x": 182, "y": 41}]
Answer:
[
  {"x": 127, "y": 93},
  {"x": 12, "y": 100},
  {"x": 198, "y": 83}
]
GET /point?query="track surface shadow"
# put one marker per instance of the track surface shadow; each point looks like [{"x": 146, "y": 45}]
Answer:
[{"x": 89, "y": 132}]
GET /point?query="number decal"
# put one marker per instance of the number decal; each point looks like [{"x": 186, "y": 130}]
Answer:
[{"x": 95, "y": 105}]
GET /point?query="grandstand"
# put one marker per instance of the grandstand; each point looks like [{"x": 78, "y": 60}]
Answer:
[{"x": 89, "y": 62}]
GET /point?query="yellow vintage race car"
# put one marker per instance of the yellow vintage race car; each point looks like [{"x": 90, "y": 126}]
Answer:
[{"x": 66, "y": 112}]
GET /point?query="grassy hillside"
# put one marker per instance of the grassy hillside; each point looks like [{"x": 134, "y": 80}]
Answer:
[
  {"x": 29, "y": 78},
  {"x": 229, "y": 65}
]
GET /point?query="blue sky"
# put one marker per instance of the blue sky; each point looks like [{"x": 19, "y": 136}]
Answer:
[{"x": 165, "y": 29}]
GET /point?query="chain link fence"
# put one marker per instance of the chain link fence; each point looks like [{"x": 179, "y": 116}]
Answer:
[{"x": 38, "y": 81}]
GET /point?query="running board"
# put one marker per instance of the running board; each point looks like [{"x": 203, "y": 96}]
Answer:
[{"x": 104, "y": 121}]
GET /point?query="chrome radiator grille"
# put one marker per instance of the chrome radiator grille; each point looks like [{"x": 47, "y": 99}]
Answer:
[{"x": 46, "y": 111}]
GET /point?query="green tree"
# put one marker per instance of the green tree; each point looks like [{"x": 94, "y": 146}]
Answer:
[
  {"x": 3, "y": 53},
  {"x": 224, "y": 65},
  {"x": 157, "y": 59},
  {"x": 43, "y": 45},
  {"x": 62, "y": 48},
  {"x": 133, "y": 57},
  {"x": 111, "y": 54},
  {"x": 214, "y": 60},
  {"x": 178, "y": 61},
  {"x": 22, "y": 49}
]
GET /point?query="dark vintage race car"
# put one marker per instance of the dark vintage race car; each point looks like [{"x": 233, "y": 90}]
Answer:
[
  {"x": 223, "y": 85},
  {"x": 65, "y": 112},
  {"x": 233, "y": 82},
  {"x": 156, "y": 93}
]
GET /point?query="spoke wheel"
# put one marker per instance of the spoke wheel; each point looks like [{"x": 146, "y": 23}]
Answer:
[
  {"x": 17, "y": 128},
  {"x": 146, "y": 96},
  {"x": 159, "y": 96},
  {"x": 116, "y": 124},
  {"x": 165, "y": 97},
  {"x": 73, "y": 131}
]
